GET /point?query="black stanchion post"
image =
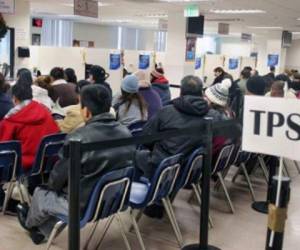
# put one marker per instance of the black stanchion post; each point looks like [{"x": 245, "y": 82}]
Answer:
[
  {"x": 262, "y": 206},
  {"x": 74, "y": 213},
  {"x": 205, "y": 197},
  {"x": 277, "y": 215}
]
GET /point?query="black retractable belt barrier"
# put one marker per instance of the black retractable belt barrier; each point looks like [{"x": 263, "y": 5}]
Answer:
[
  {"x": 75, "y": 149},
  {"x": 277, "y": 215}
]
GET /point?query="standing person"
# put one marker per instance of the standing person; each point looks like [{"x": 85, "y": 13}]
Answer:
[
  {"x": 28, "y": 122},
  {"x": 161, "y": 84},
  {"x": 279, "y": 89},
  {"x": 70, "y": 76},
  {"x": 100, "y": 126},
  {"x": 220, "y": 75},
  {"x": 130, "y": 106},
  {"x": 62, "y": 91},
  {"x": 98, "y": 75},
  {"x": 151, "y": 97},
  {"x": 5, "y": 101},
  {"x": 245, "y": 75}
]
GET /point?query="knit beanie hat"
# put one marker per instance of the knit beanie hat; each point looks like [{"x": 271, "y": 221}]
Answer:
[
  {"x": 219, "y": 93},
  {"x": 256, "y": 85},
  {"x": 130, "y": 84}
]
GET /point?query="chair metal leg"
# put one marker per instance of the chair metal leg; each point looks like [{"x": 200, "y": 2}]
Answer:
[
  {"x": 105, "y": 229},
  {"x": 238, "y": 172},
  {"x": 8, "y": 196},
  {"x": 54, "y": 233},
  {"x": 263, "y": 166},
  {"x": 137, "y": 230},
  {"x": 226, "y": 192},
  {"x": 122, "y": 230},
  {"x": 137, "y": 218},
  {"x": 173, "y": 223},
  {"x": 297, "y": 166},
  {"x": 197, "y": 190},
  {"x": 243, "y": 167},
  {"x": 89, "y": 239}
]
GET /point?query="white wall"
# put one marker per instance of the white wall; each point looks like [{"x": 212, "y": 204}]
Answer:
[{"x": 293, "y": 56}]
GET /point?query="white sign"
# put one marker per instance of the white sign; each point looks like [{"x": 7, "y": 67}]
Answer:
[
  {"x": 272, "y": 126},
  {"x": 88, "y": 8},
  {"x": 7, "y": 6}
]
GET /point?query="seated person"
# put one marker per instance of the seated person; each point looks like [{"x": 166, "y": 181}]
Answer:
[
  {"x": 188, "y": 110},
  {"x": 27, "y": 122},
  {"x": 161, "y": 84},
  {"x": 62, "y": 91},
  {"x": 217, "y": 97},
  {"x": 98, "y": 75},
  {"x": 151, "y": 97},
  {"x": 130, "y": 106},
  {"x": 73, "y": 118},
  {"x": 5, "y": 100},
  {"x": 100, "y": 125}
]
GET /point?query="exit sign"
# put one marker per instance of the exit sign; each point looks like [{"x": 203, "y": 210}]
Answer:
[{"x": 191, "y": 11}]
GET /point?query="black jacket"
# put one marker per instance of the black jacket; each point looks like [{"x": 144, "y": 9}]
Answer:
[
  {"x": 184, "y": 112},
  {"x": 94, "y": 164}
]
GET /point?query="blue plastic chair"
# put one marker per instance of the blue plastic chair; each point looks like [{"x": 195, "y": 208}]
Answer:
[
  {"x": 157, "y": 189},
  {"x": 48, "y": 150},
  {"x": 241, "y": 161},
  {"x": 221, "y": 166},
  {"x": 10, "y": 164},
  {"x": 109, "y": 197}
]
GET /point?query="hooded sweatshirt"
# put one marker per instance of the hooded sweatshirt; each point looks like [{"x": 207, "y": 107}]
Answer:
[
  {"x": 184, "y": 112},
  {"x": 28, "y": 123}
]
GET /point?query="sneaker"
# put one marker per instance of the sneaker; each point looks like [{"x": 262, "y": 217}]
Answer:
[
  {"x": 154, "y": 211},
  {"x": 36, "y": 236}
]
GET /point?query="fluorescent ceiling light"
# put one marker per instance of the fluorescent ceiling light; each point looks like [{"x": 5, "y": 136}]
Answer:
[
  {"x": 265, "y": 27},
  {"x": 298, "y": 19},
  {"x": 238, "y": 11},
  {"x": 185, "y": 1},
  {"x": 100, "y": 4}
]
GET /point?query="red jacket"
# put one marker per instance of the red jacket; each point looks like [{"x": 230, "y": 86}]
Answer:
[{"x": 29, "y": 125}]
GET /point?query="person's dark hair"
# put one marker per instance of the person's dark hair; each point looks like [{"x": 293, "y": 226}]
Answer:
[
  {"x": 98, "y": 73},
  {"x": 57, "y": 73},
  {"x": 25, "y": 76},
  {"x": 22, "y": 91},
  {"x": 246, "y": 74},
  {"x": 70, "y": 75},
  {"x": 128, "y": 99},
  {"x": 3, "y": 85},
  {"x": 96, "y": 99},
  {"x": 248, "y": 68},
  {"x": 80, "y": 85},
  {"x": 219, "y": 69},
  {"x": 272, "y": 68},
  {"x": 191, "y": 85}
]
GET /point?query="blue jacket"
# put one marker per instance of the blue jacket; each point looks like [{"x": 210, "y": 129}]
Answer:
[
  {"x": 164, "y": 92},
  {"x": 5, "y": 105}
]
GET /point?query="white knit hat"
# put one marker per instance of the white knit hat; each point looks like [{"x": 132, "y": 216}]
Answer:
[{"x": 219, "y": 93}]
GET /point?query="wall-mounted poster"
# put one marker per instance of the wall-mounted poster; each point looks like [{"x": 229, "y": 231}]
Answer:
[
  {"x": 190, "y": 53},
  {"x": 7, "y": 6},
  {"x": 115, "y": 61},
  {"x": 233, "y": 63},
  {"x": 144, "y": 61},
  {"x": 36, "y": 39},
  {"x": 273, "y": 60},
  {"x": 198, "y": 63}
]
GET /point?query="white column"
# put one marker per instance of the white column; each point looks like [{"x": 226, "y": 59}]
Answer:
[
  {"x": 20, "y": 21},
  {"x": 175, "y": 51}
]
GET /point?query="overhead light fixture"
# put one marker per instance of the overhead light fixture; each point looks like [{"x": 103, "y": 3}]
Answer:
[
  {"x": 265, "y": 27},
  {"x": 100, "y": 4},
  {"x": 238, "y": 11},
  {"x": 298, "y": 19},
  {"x": 184, "y": 1}
]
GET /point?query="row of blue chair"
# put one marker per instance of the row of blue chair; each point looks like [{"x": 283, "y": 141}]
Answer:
[{"x": 11, "y": 164}]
